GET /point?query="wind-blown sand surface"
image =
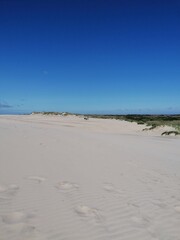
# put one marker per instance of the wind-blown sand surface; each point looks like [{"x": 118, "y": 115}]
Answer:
[{"x": 65, "y": 178}]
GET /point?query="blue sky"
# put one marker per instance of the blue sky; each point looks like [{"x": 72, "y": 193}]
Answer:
[{"x": 101, "y": 56}]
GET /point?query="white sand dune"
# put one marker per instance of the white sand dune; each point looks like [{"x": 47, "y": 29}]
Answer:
[{"x": 65, "y": 178}]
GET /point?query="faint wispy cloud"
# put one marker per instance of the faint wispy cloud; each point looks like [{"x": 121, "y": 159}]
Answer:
[{"x": 4, "y": 105}]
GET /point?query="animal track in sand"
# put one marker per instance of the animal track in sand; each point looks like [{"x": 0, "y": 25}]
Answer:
[
  {"x": 16, "y": 217},
  {"x": 37, "y": 179},
  {"x": 65, "y": 186}
]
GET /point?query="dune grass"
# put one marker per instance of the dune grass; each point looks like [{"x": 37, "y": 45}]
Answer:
[
  {"x": 53, "y": 113},
  {"x": 150, "y": 121},
  {"x": 167, "y": 133}
]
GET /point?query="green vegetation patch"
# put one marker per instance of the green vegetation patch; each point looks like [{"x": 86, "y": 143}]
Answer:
[{"x": 151, "y": 121}]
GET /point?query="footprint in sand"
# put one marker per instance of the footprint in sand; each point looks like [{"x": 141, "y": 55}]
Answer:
[
  {"x": 8, "y": 191},
  {"x": 3, "y": 192},
  {"x": 88, "y": 212},
  {"x": 109, "y": 187},
  {"x": 66, "y": 186},
  {"x": 37, "y": 179},
  {"x": 177, "y": 209},
  {"x": 22, "y": 231},
  {"x": 16, "y": 217},
  {"x": 132, "y": 204},
  {"x": 13, "y": 187},
  {"x": 159, "y": 203},
  {"x": 10, "y": 188},
  {"x": 18, "y": 224},
  {"x": 140, "y": 221},
  {"x": 2, "y": 189}
]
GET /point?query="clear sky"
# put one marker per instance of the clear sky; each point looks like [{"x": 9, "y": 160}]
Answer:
[{"x": 101, "y": 56}]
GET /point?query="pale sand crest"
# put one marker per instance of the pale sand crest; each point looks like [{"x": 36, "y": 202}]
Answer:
[{"x": 66, "y": 178}]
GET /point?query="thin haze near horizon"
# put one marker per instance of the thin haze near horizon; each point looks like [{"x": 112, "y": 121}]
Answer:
[{"x": 101, "y": 56}]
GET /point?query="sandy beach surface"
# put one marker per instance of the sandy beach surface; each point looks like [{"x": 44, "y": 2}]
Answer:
[{"x": 66, "y": 178}]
